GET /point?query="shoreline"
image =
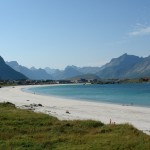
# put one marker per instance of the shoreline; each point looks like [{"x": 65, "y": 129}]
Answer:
[
  {"x": 25, "y": 89},
  {"x": 82, "y": 99},
  {"x": 66, "y": 109}
]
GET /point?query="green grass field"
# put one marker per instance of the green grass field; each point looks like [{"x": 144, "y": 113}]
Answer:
[{"x": 26, "y": 130}]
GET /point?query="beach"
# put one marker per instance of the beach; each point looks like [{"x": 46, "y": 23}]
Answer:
[{"x": 67, "y": 109}]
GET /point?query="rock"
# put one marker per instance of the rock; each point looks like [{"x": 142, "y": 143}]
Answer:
[
  {"x": 40, "y": 105},
  {"x": 34, "y": 105},
  {"x": 67, "y": 112}
]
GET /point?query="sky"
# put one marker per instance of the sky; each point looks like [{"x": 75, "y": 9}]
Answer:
[{"x": 58, "y": 33}]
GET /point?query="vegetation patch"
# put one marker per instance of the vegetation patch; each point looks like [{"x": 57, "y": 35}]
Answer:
[{"x": 26, "y": 130}]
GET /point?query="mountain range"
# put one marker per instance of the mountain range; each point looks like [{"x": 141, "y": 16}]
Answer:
[
  {"x": 125, "y": 66},
  {"x": 32, "y": 73}
]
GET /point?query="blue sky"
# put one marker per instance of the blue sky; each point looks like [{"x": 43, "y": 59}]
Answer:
[{"x": 57, "y": 33}]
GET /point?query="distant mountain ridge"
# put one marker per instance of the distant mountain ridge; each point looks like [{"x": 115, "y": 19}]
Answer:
[
  {"x": 33, "y": 73},
  {"x": 125, "y": 66},
  {"x": 71, "y": 71},
  {"x": 118, "y": 67},
  {"x": 7, "y": 73},
  {"x": 140, "y": 69}
]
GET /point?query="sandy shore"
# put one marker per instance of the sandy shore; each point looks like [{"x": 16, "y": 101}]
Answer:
[{"x": 137, "y": 116}]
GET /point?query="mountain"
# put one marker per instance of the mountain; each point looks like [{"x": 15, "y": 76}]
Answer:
[
  {"x": 51, "y": 71},
  {"x": 71, "y": 71},
  {"x": 68, "y": 72},
  {"x": 7, "y": 73},
  {"x": 89, "y": 70},
  {"x": 33, "y": 73},
  {"x": 55, "y": 73},
  {"x": 33, "y": 68},
  {"x": 126, "y": 66},
  {"x": 140, "y": 69}
]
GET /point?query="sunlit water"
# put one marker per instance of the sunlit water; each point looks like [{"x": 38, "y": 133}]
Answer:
[{"x": 124, "y": 94}]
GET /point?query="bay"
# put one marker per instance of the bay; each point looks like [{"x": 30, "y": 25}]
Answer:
[{"x": 124, "y": 94}]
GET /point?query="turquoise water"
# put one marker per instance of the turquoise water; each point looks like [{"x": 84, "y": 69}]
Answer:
[{"x": 124, "y": 94}]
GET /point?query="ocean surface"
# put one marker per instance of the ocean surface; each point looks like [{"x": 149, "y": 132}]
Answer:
[{"x": 124, "y": 94}]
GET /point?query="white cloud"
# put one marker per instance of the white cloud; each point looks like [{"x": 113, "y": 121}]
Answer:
[{"x": 142, "y": 30}]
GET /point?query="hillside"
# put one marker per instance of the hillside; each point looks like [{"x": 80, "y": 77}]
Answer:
[
  {"x": 7, "y": 73},
  {"x": 140, "y": 69},
  {"x": 126, "y": 66}
]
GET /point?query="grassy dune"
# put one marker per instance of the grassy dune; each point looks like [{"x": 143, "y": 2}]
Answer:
[{"x": 26, "y": 130}]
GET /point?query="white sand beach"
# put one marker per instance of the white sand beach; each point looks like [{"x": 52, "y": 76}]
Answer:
[{"x": 65, "y": 109}]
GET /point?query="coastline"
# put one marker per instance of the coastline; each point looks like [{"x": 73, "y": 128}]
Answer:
[{"x": 65, "y": 109}]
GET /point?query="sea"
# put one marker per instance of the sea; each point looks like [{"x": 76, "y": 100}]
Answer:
[{"x": 137, "y": 94}]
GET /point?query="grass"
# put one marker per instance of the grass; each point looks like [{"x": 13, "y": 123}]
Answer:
[{"x": 26, "y": 130}]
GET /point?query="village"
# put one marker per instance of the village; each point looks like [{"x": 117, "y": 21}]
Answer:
[{"x": 81, "y": 81}]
